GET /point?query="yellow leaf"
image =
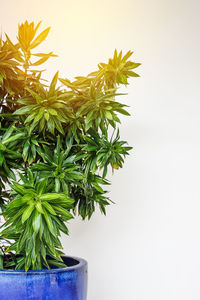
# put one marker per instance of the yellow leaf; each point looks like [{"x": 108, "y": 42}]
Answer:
[{"x": 40, "y": 38}]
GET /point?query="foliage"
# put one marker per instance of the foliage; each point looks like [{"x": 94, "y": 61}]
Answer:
[
  {"x": 55, "y": 149},
  {"x": 36, "y": 215}
]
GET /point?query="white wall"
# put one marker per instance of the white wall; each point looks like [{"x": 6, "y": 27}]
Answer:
[{"x": 148, "y": 246}]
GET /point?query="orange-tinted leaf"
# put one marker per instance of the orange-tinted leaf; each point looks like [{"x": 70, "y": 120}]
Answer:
[{"x": 40, "y": 61}]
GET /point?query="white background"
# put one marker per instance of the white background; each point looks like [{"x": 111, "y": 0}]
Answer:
[{"x": 148, "y": 246}]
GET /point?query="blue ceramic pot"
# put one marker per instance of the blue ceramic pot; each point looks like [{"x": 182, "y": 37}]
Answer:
[{"x": 55, "y": 284}]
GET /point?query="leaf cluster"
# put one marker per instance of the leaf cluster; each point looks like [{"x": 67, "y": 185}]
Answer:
[{"x": 55, "y": 148}]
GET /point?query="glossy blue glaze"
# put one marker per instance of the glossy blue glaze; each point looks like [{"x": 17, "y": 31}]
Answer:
[{"x": 55, "y": 284}]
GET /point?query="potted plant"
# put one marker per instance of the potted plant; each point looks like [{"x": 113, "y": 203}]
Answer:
[{"x": 55, "y": 150}]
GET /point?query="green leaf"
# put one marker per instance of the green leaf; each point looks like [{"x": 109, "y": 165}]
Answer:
[
  {"x": 64, "y": 213},
  {"x": 132, "y": 74},
  {"x": 51, "y": 125},
  {"x": 36, "y": 221},
  {"x": 61, "y": 225},
  {"x": 23, "y": 110},
  {"x": 52, "y": 111},
  {"x": 30, "y": 176},
  {"x": 26, "y": 149},
  {"x": 108, "y": 115},
  {"x": 39, "y": 115},
  {"x": 1, "y": 261},
  {"x": 13, "y": 138},
  {"x": 48, "y": 207},
  {"x": 46, "y": 115},
  {"x": 39, "y": 208},
  {"x": 56, "y": 263},
  {"x": 8, "y": 132},
  {"x": 19, "y": 188},
  {"x": 49, "y": 223},
  {"x": 33, "y": 150},
  {"x": 53, "y": 196},
  {"x": 35, "y": 95},
  {"x": 57, "y": 185},
  {"x": 30, "y": 118},
  {"x": 122, "y": 111},
  {"x": 1, "y": 158},
  {"x": 59, "y": 126},
  {"x": 28, "y": 211}
]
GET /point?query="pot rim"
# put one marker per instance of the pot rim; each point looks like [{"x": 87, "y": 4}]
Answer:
[{"x": 81, "y": 263}]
